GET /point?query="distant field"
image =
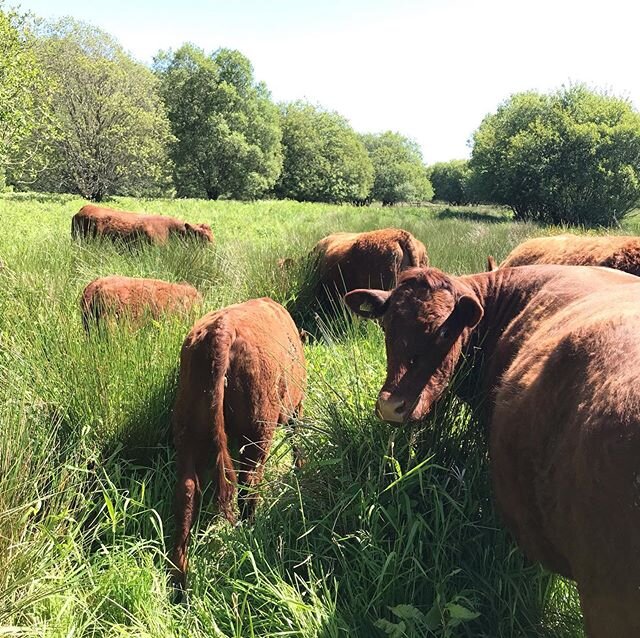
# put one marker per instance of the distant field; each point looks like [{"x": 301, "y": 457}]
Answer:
[{"x": 384, "y": 532}]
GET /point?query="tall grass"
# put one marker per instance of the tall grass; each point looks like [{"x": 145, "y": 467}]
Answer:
[{"x": 383, "y": 532}]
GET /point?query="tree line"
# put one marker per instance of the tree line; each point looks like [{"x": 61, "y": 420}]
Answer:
[{"x": 78, "y": 114}]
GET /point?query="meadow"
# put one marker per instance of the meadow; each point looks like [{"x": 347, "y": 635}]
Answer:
[{"x": 385, "y": 531}]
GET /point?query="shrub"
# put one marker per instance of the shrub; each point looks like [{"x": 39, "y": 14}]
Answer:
[
  {"x": 400, "y": 175},
  {"x": 324, "y": 159},
  {"x": 572, "y": 156},
  {"x": 452, "y": 182}
]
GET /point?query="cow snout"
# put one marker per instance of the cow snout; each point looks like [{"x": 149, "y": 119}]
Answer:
[{"x": 391, "y": 409}]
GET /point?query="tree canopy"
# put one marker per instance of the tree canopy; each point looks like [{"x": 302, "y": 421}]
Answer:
[
  {"x": 21, "y": 79},
  {"x": 227, "y": 130},
  {"x": 111, "y": 129},
  {"x": 571, "y": 156},
  {"x": 400, "y": 175},
  {"x": 452, "y": 182},
  {"x": 324, "y": 159}
]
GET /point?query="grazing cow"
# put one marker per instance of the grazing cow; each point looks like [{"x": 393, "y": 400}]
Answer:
[
  {"x": 116, "y": 297},
  {"x": 93, "y": 221},
  {"x": 242, "y": 372},
  {"x": 619, "y": 252},
  {"x": 346, "y": 261},
  {"x": 556, "y": 350}
]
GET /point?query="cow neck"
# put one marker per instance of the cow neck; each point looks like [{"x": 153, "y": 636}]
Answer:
[{"x": 503, "y": 297}]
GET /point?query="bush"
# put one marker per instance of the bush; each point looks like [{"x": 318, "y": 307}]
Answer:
[
  {"x": 572, "y": 156},
  {"x": 324, "y": 159},
  {"x": 400, "y": 175},
  {"x": 452, "y": 182}
]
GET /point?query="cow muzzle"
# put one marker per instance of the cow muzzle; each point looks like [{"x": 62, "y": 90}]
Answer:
[{"x": 391, "y": 409}]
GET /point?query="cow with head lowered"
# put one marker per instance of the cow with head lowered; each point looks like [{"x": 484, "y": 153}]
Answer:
[
  {"x": 107, "y": 300},
  {"x": 346, "y": 261},
  {"x": 613, "y": 251},
  {"x": 97, "y": 221},
  {"x": 556, "y": 351},
  {"x": 242, "y": 373}
]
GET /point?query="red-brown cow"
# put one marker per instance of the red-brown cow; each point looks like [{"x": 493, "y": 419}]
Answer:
[
  {"x": 113, "y": 298},
  {"x": 557, "y": 350},
  {"x": 94, "y": 221},
  {"x": 242, "y": 372},
  {"x": 346, "y": 261},
  {"x": 619, "y": 252}
]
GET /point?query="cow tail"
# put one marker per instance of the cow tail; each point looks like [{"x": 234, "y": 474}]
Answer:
[
  {"x": 412, "y": 256},
  {"x": 89, "y": 307},
  {"x": 224, "y": 475}
]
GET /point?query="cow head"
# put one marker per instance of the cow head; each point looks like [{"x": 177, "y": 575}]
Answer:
[
  {"x": 199, "y": 231},
  {"x": 426, "y": 319}
]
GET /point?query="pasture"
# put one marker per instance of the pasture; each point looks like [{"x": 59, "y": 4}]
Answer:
[{"x": 383, "y": 532}]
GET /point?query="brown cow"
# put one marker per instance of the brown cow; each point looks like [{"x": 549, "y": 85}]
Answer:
[
  {"x": 93, "y": 221},
  {"x": 242, "y": 372},
  {"x": 116, "y": 297},
  {"x": 619, "y": 252},
  {"x": 557, "y": 352},
  {"x": 346, "y": 261}
]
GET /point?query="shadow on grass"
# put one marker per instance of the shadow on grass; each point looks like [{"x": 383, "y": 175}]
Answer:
[{"x": 451, "y": 213}]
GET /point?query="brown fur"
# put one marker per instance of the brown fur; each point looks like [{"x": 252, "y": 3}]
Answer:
[
  {"x": 557, "y": 351},
  {"x": 619, "y": 252},
  {"x": 93, "y": 221},
  {"x": 116, "y": 297},
  {"x": 242, "y": 372},
  {"x": 346, "y": 261}
]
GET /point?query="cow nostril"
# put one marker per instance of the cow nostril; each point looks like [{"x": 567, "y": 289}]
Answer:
[{"x": 399, "y": 409}]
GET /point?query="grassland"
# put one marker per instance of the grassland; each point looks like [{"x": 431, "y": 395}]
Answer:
[{"x": 384, "y": 532}]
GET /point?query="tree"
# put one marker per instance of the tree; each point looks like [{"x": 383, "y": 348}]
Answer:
[
  {"x": 227, "y": 130},
  {"x": 400, "y": 175},
  {"x": 571, "y": 156},
  {"x": 21, "y": 79},
  {"x": 452, "y": 182},
  {"x": 111, "y": 130},
  {"x": 324, "y": 159}
]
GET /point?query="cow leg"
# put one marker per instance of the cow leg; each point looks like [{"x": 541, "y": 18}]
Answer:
[
  {"x": 253, "y": 455},
  {"x": 611, "y": 613},
  {"x": 292, "y": 423}
]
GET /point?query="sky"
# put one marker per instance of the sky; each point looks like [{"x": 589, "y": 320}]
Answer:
[{"x": 429, "y": 69}]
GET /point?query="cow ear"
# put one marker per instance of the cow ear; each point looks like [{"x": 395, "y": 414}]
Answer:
[
  {"x": 491, "y": 264},
  {"x": 188, "y": 227},
  {"x": 466, "y": 314},
  {"x": 369, "y": 304}
]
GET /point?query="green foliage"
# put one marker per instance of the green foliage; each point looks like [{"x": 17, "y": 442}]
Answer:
[
  {"x": 227, "y": 129},
  {"x": 111, "y": 131},
  {"x": 400, "y": 175},
  {"x": 571, "y": 156},
  {"x": 21, "y": 80},
  {"x": 453, "y": 182},
  {"x": 324, "y": 159}
]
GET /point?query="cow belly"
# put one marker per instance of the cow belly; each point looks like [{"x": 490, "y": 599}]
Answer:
[{"x": 565, "y": 454}]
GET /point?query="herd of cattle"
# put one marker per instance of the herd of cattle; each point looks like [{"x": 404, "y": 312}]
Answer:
[{"x": 551, "y": 335}]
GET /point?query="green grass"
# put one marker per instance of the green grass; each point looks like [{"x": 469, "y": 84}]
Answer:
[{"x": 383, "y": 532}]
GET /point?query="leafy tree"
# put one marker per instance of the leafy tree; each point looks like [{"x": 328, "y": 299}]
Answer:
[
  {"x": 400, "y": 175},
  {"x": 453, "y": 182},
  {"x": 20, "y": 80},
  {"x": 324, "y": 159},
  {"x": 111, "y": 130},
  {"x": 227, "y": 130},
  {"x": 571, "y": 156}
]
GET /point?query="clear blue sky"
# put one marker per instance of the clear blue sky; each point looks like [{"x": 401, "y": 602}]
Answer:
[{"x": 429, "y": 69}]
